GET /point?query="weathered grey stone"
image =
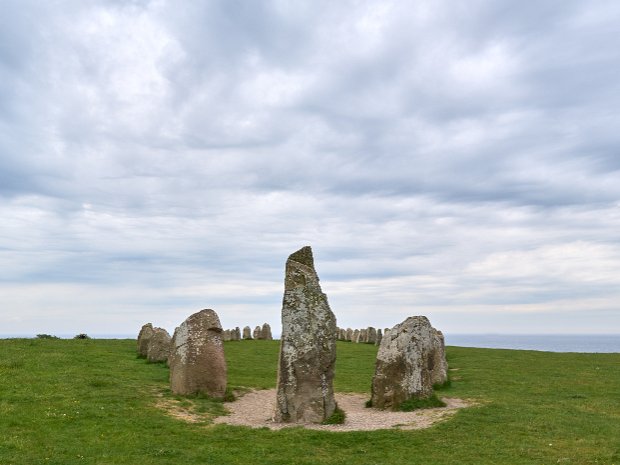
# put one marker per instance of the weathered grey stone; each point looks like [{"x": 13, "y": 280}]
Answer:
[
  {"x": 256, "y": 334},
  {"x": 236, "y": 334},
  {"x": 379, "y": 337},
  {"x": 197, "y": 363},
  {"x": 440, "y": 364},
  {"x": 144, "y": 336},
  {"x": 371, "y": 335},
  {"x": 226, "y": 335},
  {"x": 349, "y": 336},
  {"x": 266, "y": 332},
  {"x": 356, "y": 336},
  {"x": 410, "y": 360},
  {"x": 308, "y": 346},
  {"x": 247, "y": 332},
  {"x": 159, "y": 346}
]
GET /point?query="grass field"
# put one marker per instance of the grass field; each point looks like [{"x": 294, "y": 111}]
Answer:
[{"x": 93, "y": 402}]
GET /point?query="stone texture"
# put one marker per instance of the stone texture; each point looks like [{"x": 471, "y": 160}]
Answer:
[
  {"x": 256, "y": 334},
  {"x": 349, "y": 336},
  {"x": 144, "y": 336},
  {"x": 266, "y": 332},
  {"x": 307, "y": 359},
  {"x": 371, "y": 335},
  {"x": 197, "y": 363},
  {"x": 379, "y": 337},
  {"x": 356, "y": 336},
  {"x": 226, "y": 335},
  {"x": 410, "y": 360},
  {"x": 247, "y": 333},
  {"x": 440, "y": 364},
  {"x": 159, "y": 346}
]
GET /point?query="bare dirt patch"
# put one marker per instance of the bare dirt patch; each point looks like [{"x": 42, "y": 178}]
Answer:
[{"x": 256, "y": 408}]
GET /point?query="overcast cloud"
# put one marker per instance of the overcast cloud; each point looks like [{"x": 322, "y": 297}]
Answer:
[{"x": 457, "y": 160}]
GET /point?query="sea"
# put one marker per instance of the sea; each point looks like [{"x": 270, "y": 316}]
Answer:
[{"x": 593, "y": 343}]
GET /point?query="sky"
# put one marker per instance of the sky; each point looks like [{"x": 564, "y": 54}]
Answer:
[{"x": 458, "y": 160}]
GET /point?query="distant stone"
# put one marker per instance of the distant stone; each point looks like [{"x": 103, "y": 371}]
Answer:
[
  {"x": 379, "y": 337},
  {"x": 144, "y": 336},
  {"x": 197, "y": 363},
  {"x": 256, "y": 334},
  {"x": 410, "y": 360},
  {"x": 349, "y": 335},
  {"x": 440, "y": 364},
  {"x": 247, "y": 333},
  {"x": 226, "y": 335},
  {"x": 307, "y": 359},
  {"x": 236, "y": 333},
  {"x": 266, "y": 332},
  {"x": 356, "y": 336},
  {"x": 159, "y": 346},
  {"x": 371, "y": 335}
]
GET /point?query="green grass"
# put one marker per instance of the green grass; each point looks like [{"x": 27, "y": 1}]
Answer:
[
  {"x": 421, "y": 403},
  {"x": 93, "y": 402},
  {"x": 336, "y": 418}
]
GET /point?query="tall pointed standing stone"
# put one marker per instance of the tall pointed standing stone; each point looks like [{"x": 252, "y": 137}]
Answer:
[{"x": 305, "y": 392}]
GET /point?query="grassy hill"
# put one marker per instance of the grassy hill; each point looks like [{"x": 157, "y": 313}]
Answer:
[{"x": 93, "y": 402}]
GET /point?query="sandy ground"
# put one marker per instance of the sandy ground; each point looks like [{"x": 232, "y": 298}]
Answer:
[{"x": 256, "y": 408}]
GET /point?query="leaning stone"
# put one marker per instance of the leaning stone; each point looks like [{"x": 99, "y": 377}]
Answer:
[
  {"x": 197, "y": 363},
  {"x": 409, "y": 361},
  {"x": 307, "y": 358},
  {"x": 159, "y": 346},
  {"x": 266, "y": 332},
  {"x": 144, "y": 336}
]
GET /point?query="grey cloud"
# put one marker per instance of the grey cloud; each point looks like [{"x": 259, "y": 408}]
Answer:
[{"x": 184, "y": 148}]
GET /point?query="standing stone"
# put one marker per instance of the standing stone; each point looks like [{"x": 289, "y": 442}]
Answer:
[
  {"x": 144, "y": 336},
  {"x": 247, "y": 333},
  {"x": 410, "y": 360},
  {"x": 307, "y": 359},
  {"x": 349, "y": 336},
  {"x": 237, "y": 334},
  {"x": 159, "y": 346},
  {"x": 266, "y": 332},
  {"x": 440, "y": 364},
  {"x": 371, "y": 335},
  {"x": 379, "y": 337},
  {"x": 256, "y": 334},
  {"x": 226, "y": 335},
  {"x": 356, "y": 336},
  {"x": 197, "y": 363}
]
